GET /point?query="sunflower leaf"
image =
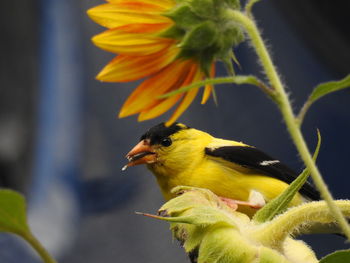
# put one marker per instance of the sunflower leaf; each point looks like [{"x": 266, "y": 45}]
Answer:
[
  {"x": 12, "y": 212},
  {"x": 337, "y": 257},
  {"x": 13, "y": 219},
  {"x": 322, "y": 90},
  {"x": 329, "y": 87},
  {"x": 280, "y": 203}
]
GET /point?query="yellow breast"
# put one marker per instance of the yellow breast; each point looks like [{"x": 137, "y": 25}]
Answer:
[{"x": 226, "y": 182}]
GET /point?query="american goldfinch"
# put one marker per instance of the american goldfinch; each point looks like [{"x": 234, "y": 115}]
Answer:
[{"x": 180, "y": 155}]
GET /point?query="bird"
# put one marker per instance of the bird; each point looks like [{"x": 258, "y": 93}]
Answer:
[{"x": 242, "y": 175}]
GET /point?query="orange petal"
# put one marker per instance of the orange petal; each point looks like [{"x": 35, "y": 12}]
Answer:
[
  {"x": 208, "y": 88},
  {"x": 114, "y": 15},
  {"x": 166, "y": 104},
  {"x": 159, "y": 109},
  {"x": 117, "y": 41},
  {"x": 145, "y": 95},
  {"x": 129, "y": 68},
  {"x": 166, "y": 4},
  {"x": 187, "y": 100}
]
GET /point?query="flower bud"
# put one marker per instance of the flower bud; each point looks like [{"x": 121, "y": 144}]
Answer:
[{"x": 212, "y": 232}]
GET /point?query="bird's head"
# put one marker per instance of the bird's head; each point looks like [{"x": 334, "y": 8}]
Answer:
[{"x": 168, "y": 149}]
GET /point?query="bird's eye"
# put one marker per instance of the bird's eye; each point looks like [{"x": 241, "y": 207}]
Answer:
[{"x": 166, "y": 142}]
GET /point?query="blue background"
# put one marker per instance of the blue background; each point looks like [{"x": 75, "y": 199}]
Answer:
[{"x": 81, "y": 205}]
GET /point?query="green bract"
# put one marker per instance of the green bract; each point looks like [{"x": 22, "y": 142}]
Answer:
[
  {"x": 202, "y": 36},
  {"x": 203, "y": 30}
]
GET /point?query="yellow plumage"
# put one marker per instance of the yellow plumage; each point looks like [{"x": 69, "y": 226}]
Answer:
[{"x": 188, "y": 161}]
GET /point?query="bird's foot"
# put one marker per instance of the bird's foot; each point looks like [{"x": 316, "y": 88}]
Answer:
[{"x": 255, "y": 201}]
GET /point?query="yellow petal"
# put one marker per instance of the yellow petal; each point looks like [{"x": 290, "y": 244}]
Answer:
[
  {"x": 129, "y": 68},
  {"x": 186, "y": 102},
  {"x": 144, "y": 28},
  {"x": 117, "y": 41},
  {"x": 113, "y": 15},
  {"x": 145, "y": 95},
  {"x": 208, "y": 88},
  {"x": 206, "y": 94}
]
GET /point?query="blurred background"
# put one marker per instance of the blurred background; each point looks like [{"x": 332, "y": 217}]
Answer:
[{"x": 63, "y": 147}]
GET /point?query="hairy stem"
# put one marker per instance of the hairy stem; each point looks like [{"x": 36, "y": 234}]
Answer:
[
  {"x": 45, "y": 256},
  {"x": 286, "y": 109},
  {"x": 279, "y": 228},
  {"x": 239, "y": 80}
]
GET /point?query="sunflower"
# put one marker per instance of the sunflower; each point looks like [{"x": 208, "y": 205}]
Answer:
[{"x": 166, "y": 44}]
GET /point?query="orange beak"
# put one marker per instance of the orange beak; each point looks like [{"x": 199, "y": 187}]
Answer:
[{"x": 142, "y": 153}]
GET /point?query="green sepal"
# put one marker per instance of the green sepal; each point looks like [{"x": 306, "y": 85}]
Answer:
[
  {"x": 184, "y": 17},
  {"x": 224, "y": 245},
  {"x": 229, "y": 66},
  {"x": 234, "y": 58},
  {"x": 228, "y": 38},
  {"x": 173, "y": 32},
  {"x": 206, "y": 60},
  {"x": 234, "y": 4},
  {"x": 200, "y": 37},
  {"x": 233, "y": 35},
  {"x": 204, "y": 8},
  {"x": 201, "y": 27}
]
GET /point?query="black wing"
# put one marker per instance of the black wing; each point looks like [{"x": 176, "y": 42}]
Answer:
[{"x": 255, "y": 159}]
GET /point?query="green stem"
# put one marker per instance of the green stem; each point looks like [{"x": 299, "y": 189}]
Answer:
[
  {"x": 45, "y": 256},
  {"x": 286, "y": 109},
  {"x": 235, "y": 79},
  {"x": 302, "y": 112}
]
